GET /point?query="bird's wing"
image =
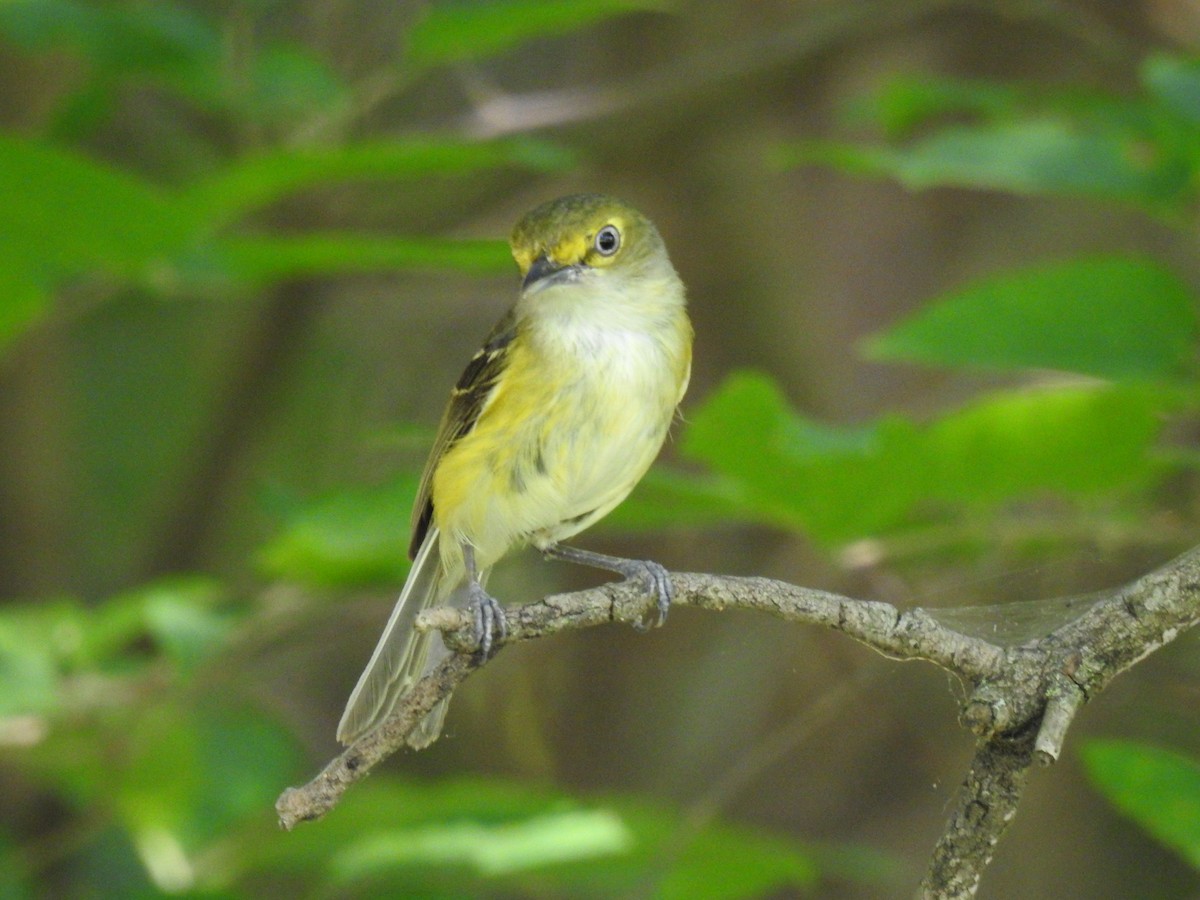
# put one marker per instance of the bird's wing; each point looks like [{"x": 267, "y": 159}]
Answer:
[{"x": 467, "y": 401}]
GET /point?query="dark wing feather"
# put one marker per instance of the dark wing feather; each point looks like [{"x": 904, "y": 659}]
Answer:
[{"x": 467, "y": 401}]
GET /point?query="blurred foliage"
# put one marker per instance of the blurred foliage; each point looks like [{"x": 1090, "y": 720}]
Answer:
[
  {"x": 404, "y": 838},
  {"x": 153, "y": 768},
  {"x": 1144, "y": 151},
  {"x": 1159, "y": 789},
  {"x": 462, "y": 31},
  {"x": 124, "y": 228}
]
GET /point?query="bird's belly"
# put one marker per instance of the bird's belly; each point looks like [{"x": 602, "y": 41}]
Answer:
[{"x": 543, "y": 463}]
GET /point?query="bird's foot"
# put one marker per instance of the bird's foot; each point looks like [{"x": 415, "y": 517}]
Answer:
[
  {"x": 657, "y": 582},
  {"x": 654, "y": 578},
  {"x": 489, "y": 623}
]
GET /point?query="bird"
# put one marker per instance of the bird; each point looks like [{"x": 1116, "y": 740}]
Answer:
[{"x": 551, "y": 425}]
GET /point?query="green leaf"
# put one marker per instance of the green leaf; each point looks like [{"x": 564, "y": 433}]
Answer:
[
  {"x": 1073, "y": 440},
  {"x": 906, "y": 102},
  {"x": 29, "y": 671},
  {"x": 407, "y": 838},
  {"x": 491, "y": 849},
  {"x": 671, "y": 498},
  {"x": 725, "y": 862},
  {"x": 287, "y": 83},
  {"x": 669, "y": 859},
  {"x": 1033, "y": 156},
  {"x": 152, "y": 37},
  {"x": 1159, "y": 789},
  {"x": 242, "y": 756},
  {"x": 22, "y": 301},
  {"x": 184, "y": 618},
  {"x": 269, "y": 258},
  {"x": 190, "y": 774},
  {"x": 160, "y": 43},
  {"x": 1176, "y": 82},
  {"x": 834, "y": 483},
  {"x": 56, "y": 655},
  {"x": 38, "y": 25},
  {"x": 15, "y": 881},
  {"x": 44, "y": 644},
  {"x": 459, "y": 31},
  {"x": 355, "y": 537},
  {"x": 64, "y": 213},
  {"x": 256, "y": 181},
  {"x": 159, "y": 781},
  {"x": 1110, "y": 317}
]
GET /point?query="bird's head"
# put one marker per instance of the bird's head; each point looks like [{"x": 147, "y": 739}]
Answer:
[{"x": 584, "y": 236}]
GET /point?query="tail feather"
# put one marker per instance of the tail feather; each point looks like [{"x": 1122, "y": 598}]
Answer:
[
  {"x": 422, "y": 664},
  {"x": 401, "y": 656}
]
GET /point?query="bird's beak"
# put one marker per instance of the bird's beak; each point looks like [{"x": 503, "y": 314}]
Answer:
[{"x": 545, "y": 271}]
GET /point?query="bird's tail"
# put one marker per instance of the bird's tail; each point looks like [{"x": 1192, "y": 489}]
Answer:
[{"x": 403, "y": 654}]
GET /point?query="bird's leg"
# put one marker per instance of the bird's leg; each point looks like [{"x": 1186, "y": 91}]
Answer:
[
  {"x": 653, "y": 576},
  {"x": 489, "y": 621}
]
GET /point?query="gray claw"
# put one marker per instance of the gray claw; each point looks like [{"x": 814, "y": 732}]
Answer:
[
  {"x": 658, "y": 584},
  {"x": 488, "y": 620}
]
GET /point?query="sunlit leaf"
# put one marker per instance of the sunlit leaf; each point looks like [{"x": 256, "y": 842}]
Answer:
[
  {"x": 456, "y": 30},
  {"x": 160, "y": 780},
  {"x": 29, "y": 670},
  {"x": 1072, "y": 440},
  {"x": 1159, "y": 789},
  {"x": 45, "y": 644},
  {"x": 550, "y": 838},
  {"x": 1111, "y": 317},
  {"x": 669, "y": 859}
]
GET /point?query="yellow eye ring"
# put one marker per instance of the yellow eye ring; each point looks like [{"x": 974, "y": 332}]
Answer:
[{"x": 608, "y": 240}]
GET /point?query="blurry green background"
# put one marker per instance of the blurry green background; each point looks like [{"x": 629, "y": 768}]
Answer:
[{"x": 942, "y": 265}]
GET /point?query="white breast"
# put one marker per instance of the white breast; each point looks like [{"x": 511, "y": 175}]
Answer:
[{"x": 618, "y": 396}]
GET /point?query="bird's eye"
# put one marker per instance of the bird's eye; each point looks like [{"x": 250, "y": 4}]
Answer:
[{"x": 608, "y": 240}]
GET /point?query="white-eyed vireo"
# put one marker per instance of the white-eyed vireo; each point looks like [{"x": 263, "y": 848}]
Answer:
[{"x": 553, "y": 422}]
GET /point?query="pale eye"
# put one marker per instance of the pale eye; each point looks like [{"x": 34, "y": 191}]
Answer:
[{"x": 608, "y": 240}]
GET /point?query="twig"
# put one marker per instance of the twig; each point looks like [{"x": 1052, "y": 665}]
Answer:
[{"x": 323, "y": 793}]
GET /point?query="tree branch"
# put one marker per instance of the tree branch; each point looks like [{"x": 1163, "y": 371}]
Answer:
[
  {"x": 987, "y": 803},
  {"x": 1020, "y": 703}
]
